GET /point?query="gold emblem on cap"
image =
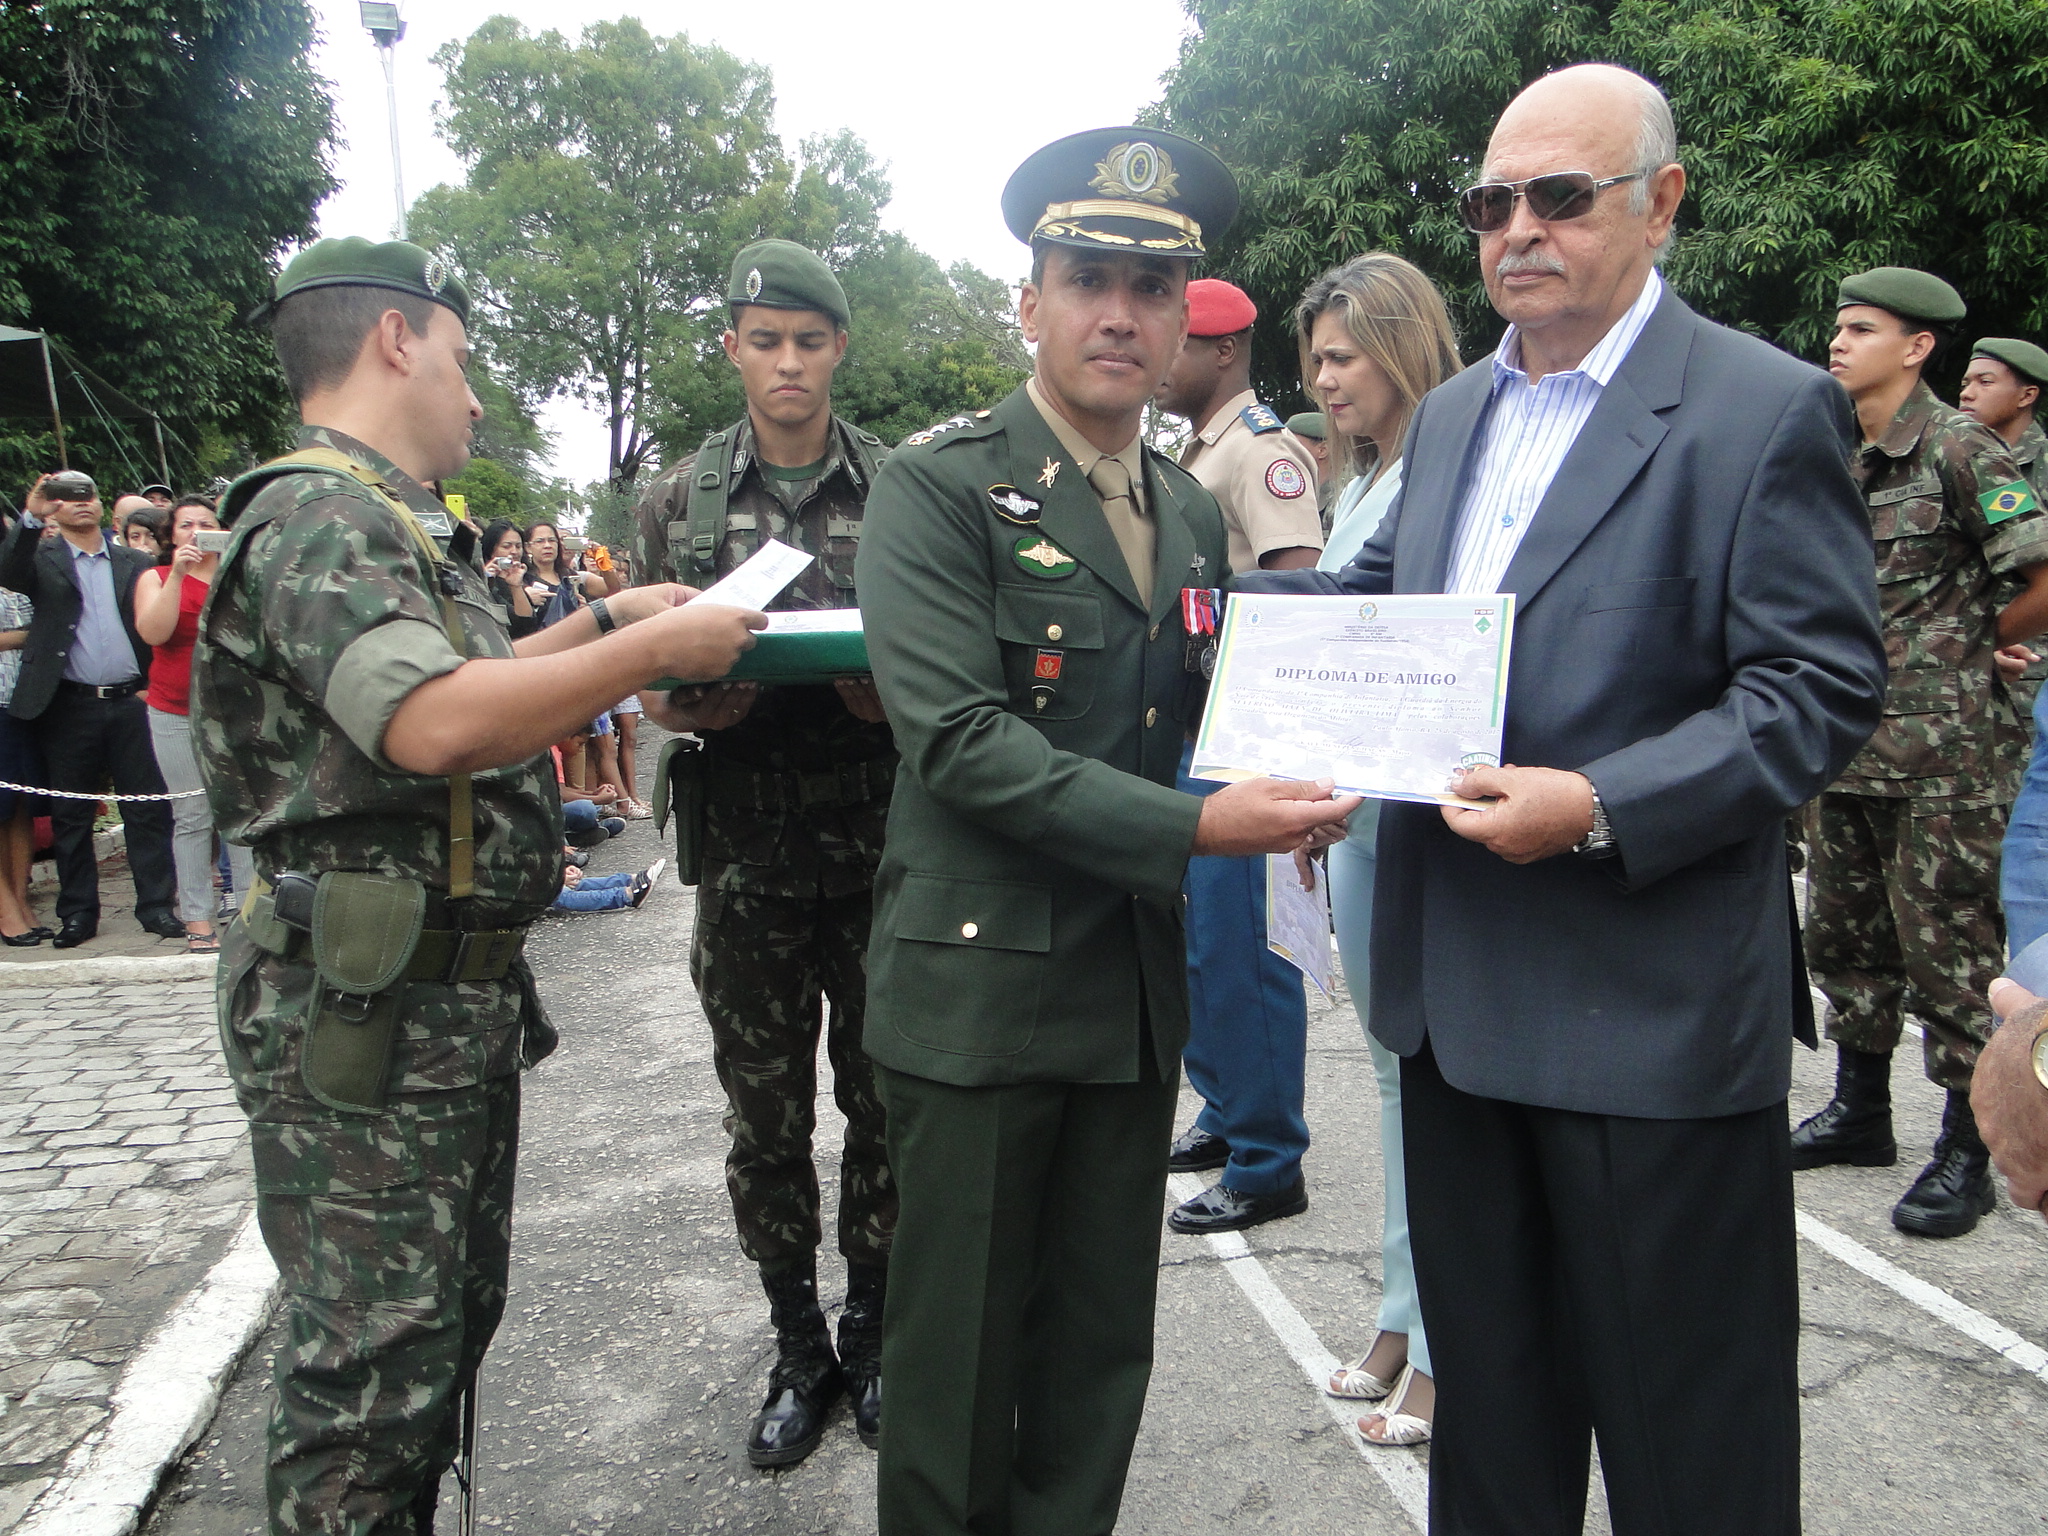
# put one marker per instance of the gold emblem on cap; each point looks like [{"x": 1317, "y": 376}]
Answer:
[
  {"x": 1139, "y": 170},
  {"x": 754, "y": 283}
]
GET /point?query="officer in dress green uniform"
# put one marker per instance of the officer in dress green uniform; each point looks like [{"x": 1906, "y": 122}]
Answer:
[
  {"x": 1903, "y": 873},
  {"x": 366, "y": 727},
  {"x": 1027, "y": 996},
  {"x": 791, "y": 792}
]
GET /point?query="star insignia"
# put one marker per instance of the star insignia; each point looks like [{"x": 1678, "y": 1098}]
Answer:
[{"x": 1050, "y": 473}]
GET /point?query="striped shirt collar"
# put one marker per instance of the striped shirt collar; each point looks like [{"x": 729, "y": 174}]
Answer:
[{"x": 1603, "y": 362}]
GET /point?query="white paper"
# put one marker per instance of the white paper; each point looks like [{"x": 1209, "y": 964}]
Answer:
[
  {"x": 1388, "y": 696},
  {"x": 1298, "y": 920},
  {"x": 759, "y": 581},
  {"x": 815, "y": 621}
]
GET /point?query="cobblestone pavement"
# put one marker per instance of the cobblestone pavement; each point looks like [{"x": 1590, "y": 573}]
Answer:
[{"x": 123, "y": 1174}]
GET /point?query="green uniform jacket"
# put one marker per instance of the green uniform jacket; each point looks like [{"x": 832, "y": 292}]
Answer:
[{"x": 1028, "y": 903}]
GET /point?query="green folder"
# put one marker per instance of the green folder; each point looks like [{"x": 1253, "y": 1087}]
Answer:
[{"x": 817, "y": 658}]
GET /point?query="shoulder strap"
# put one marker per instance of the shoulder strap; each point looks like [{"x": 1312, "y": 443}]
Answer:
[
  {"x": 1261, "y": 418},
  {"x": 868, "y": 452},
  {"x": 708, "y": 489},
  {"x": 321, "y": 460}
]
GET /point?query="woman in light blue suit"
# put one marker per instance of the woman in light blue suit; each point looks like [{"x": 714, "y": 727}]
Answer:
[{"x": 1375, "y": 338}]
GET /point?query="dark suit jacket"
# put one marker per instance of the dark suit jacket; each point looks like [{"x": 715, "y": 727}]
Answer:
[
  {"x": 1028, "y": 903},
  {"x": 1696, "y": 631},
  {"x": 42, "y": 572}
]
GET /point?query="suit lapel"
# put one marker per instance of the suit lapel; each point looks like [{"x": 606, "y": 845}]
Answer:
[
  {"x": 1174, "y": 566},
  {"x": 1070, "y": 515},
  {"x": 1432, "y": 474}
]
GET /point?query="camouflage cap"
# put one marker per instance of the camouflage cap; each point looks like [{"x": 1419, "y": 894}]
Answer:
[
  {"x": 1122, "y": 189},
  {"x": 2022, "y": 357},
  {"x": 353, "y": 262},
  {"x": 1906, "y": 292},
  {"x": 780, "y": 274},
  {"x": 1309, "y": 424}
]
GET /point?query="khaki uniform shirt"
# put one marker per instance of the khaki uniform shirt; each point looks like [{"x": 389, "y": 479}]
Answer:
[
  {"x": 1949, "y": 551},
  {"x": 1263, "y": 477},
  {"x": 1137, "y": 536}
]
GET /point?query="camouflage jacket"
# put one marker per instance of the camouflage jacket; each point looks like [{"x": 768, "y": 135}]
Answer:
[
  {"x": 320, "y": 623},
  {"x": 752, "y": 842},
  {"x": 1954, "y": 523},
  {"x": 2031, "y": 454}
]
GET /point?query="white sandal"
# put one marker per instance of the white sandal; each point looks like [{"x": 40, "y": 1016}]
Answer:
[
  {"x": 1356, "y": 1383},
  {"x": 1396, "y": 1427}
]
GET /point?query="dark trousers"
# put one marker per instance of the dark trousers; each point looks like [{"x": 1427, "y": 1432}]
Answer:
[
  {"x": 1589, "y": 1275},
  {"x": 86, "y": 741},
  {"x": 1017, "y": 1338}
]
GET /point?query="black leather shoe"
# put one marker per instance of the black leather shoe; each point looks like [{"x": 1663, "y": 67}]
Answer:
[
  {"x": 806, "y": 1381},
  {"x": 860, "y": 1347},
  {"x": 1196, "y": 1151},
  {"x": 1855, "y": 1127},
  {"x": 162, "y": 924},
  {"x": 1954, "y": 1192},
  {"x": 76, "y": 931},
  {"x": 1219, "y": 1208},
  {"x": 28, "y": 938}
]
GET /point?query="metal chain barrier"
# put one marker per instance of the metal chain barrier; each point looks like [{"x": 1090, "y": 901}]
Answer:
[{"x": 80, "y": 794}]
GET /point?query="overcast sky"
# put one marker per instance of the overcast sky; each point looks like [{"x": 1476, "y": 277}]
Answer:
[{"x": 949, "y": 98}]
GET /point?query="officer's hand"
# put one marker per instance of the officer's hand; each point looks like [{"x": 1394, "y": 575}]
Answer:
[
  {"x": 2013, "y": 661},
  {"x": 713, "y": 708},
  {"x": 2010, "y": 1103},
  {"x": 698, "y": 639},
  {"x": 863, "y": 699},
  {"x": 637, "y": 603},
  {"x": 1537, "y": 813},
  {"x": 1271, "y": 816}
]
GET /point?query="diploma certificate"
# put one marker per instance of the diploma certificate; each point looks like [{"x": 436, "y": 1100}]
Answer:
[{"x": 1388, "y": 696}]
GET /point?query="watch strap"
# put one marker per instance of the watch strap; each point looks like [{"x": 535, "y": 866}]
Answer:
[{"x": 598, "y": 611}]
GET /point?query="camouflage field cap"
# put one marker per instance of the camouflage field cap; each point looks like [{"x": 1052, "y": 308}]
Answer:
[
  {"x": 2022, "y": 357},
  {"x": 353, "y": 262},
  {"x": 1905, "y": 291},
  {"x": 1309, "y": 424},
  {"x": 1122, "y": 189},
  {"x": 780, "y": 274}
]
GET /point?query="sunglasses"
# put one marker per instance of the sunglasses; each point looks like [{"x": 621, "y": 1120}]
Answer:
[{"x": 1560, "y": 195}]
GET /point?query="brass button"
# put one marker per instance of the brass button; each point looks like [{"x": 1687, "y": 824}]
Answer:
[
  {"x": 969, "y": 930},
  {"x": 1151, "y": 718},
  {"x": 1053, "y": 631},
  {"x": 1154, "y": 635}
]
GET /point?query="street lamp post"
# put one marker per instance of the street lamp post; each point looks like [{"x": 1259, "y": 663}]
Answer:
[{"x": 386, "y": 27}]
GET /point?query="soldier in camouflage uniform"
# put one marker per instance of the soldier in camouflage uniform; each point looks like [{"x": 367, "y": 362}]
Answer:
[
  {"x": 2002, "y": 390},
  {"x": 366, "y": 727},
  {"x": 1903, "y": 912},
  {"x": 796, "y": 784}
]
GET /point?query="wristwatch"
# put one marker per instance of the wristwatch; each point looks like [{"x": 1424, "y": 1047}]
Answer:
[
  {"x": 1598, "y": 843},
  {"x": 2041, "y": 1056},
  {"x": 605, "y": 622}
]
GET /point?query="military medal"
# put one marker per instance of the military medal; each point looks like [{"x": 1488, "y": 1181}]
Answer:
[
  {"x": 1199, "y": 607},
  {"x": 1039, "y": 556},
  {"x": 1050, "y": 473},
  {"x": 1013, "y": 506}
]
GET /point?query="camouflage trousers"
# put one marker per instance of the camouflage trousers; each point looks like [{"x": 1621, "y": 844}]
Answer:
[
  {"x": 764, "y": 966},
  {"x": 1903, "y": 917},
  {"x": 392, "y": 1237}
]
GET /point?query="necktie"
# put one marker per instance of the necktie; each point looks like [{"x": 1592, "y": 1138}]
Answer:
[{"x": 1134, "y": 536}]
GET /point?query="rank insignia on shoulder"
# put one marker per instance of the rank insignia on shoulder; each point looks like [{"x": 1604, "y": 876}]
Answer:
[
  {"x": 2008, "y": 501},
  {"x": 1285, "y": 479},
  {"x": 936, "y": 430},
  {"x": 1013, "y": 506},
  {"x": 1039, "y": 556},
  {"x": 1261, "y": 418}
]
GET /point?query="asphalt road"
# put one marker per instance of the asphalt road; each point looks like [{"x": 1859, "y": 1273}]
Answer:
[{"x": 637, "y": 1344}]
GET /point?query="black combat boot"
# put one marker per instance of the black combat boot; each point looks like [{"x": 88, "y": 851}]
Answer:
[
  {"x": 860, "y": 1347},
  {"x": 1954, "y": 1191},
  {"x": 1856, "y": 1126},
  {"x": 806, "y": 1381}
]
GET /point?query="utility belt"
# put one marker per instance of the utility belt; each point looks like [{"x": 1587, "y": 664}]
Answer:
[
  {"x": 686, "y": 786},
  {"x": 365, "y": 935}
]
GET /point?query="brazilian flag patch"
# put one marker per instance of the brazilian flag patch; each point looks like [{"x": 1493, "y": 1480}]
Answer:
[{"x": 2008, "y": 501}]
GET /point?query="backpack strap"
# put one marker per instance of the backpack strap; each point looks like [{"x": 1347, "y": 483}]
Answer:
[{"x": 709, "y": 489}]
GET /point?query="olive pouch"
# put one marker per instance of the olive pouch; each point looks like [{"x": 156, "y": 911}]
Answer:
[
  {"x": 679, "y": 789},
  {"x": 366, "y": 928}
]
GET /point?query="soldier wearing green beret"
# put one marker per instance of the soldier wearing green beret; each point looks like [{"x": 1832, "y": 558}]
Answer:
[
  {"x": 2002, "y": 389},
  {"x": 366, "y": 727},
  {"x": 1022, "y": 580},
  {"x": 1903, "y": 913},
  {"x": 791, "y": 798}
]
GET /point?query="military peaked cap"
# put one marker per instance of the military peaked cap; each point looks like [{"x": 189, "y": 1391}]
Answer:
[
  {"x": 1906, "y": 292},
  {"x": 353, "y": 262},
  {"x": 1122, "y": 189},
  {"x": 780, "y": 274},
  {"x": 2022, "y": 357}
]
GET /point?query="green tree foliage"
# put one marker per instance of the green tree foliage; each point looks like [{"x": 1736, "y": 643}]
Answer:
[
  {"x": 159, "y": 157},
  {"x": 1821, "y": 137}
]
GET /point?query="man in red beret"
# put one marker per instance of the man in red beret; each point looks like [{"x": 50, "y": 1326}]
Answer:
[{"x": 1248, "y": 1041}]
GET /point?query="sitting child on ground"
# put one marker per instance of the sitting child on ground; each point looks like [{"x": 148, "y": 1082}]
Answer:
[{"x": 605, "y": 893}]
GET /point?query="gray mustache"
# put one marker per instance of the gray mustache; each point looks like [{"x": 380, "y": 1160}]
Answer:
[{"x": 1529, "y": 261}]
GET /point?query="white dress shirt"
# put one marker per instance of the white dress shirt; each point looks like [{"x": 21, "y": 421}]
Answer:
[{"x": 1525, "y": 434}]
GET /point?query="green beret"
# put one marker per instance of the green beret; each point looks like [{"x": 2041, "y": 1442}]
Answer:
[
  {"x": 1309, "y": 424},
  {"x": 1907, "y": 293},
  {"x": 1122, "y": 189},
  {"x": 780, "y": 274},
  {"x": 354, "y": 262},
  {"x": 2022, "y": 357}
]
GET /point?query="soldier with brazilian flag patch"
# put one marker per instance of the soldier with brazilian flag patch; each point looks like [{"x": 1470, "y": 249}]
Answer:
[
  {"x": 1903, "y": 914},
  {"x": 367, "y": 728}
]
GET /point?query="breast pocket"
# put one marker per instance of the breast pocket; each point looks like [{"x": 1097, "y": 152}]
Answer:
[
  {"x": 1905, "y": 525},
  {"x": 974, "y": 953},
  {"x": 1626, "y": 596},
  {"x": 1052, "y": 650}
]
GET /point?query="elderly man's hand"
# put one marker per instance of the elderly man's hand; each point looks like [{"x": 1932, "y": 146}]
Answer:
[
  {"x": 1537, "y": 813},
  {"x": 2010, "y": 1102}
]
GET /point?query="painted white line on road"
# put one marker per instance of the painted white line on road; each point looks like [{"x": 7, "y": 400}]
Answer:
[
  {"x": 1965, "y": 1319},
  {"x": 165, "y": 1398},
  {"x": 1401, "y": 1470}
]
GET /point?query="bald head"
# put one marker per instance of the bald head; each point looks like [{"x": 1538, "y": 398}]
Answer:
[
  {"x": 1612, "y": 118},
  {"x": 123, "y": 505}
]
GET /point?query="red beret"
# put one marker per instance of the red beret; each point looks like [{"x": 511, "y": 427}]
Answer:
[{"x": 1217, "y": 308}]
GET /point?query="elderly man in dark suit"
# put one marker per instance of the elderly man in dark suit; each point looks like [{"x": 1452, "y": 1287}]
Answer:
[
  {"x": 1590, "y": 973},
  {"x": 82, "y": 675}
]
